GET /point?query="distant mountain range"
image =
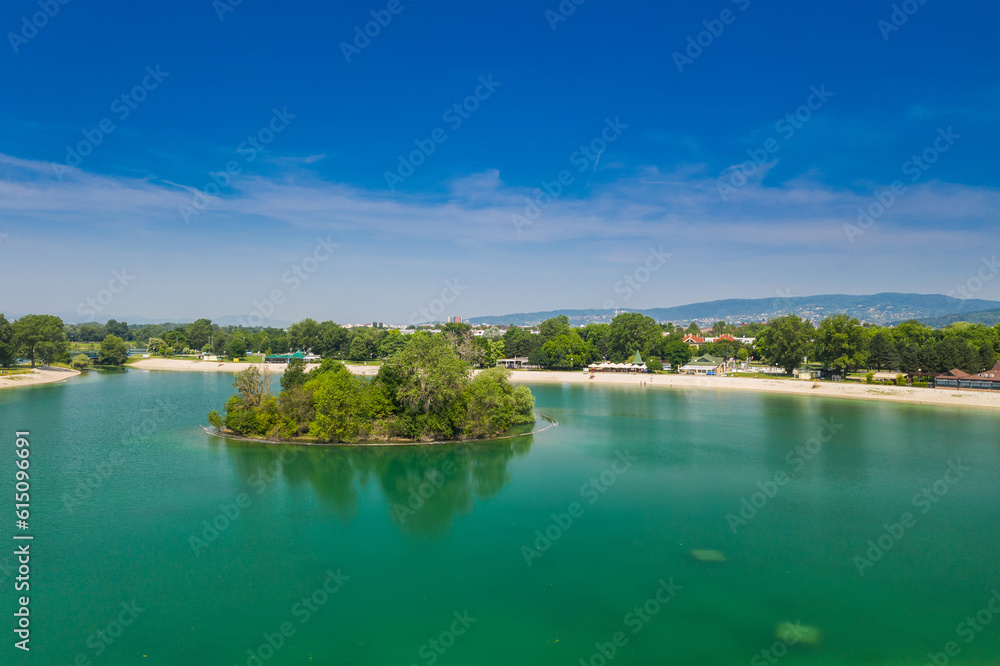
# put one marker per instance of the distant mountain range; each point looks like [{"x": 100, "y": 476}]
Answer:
[
  {"x": 888, "y": 308},
  {"x": 878, "y": 309},
  {"x": 987, "y": 317}
]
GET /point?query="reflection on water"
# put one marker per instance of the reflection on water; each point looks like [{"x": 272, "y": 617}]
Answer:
[{"x": 424, "y": 487}]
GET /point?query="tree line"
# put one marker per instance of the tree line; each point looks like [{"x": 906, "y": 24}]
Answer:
[
  {"x": 842, "y": 344},
  {"x": 839, "y": 343}
]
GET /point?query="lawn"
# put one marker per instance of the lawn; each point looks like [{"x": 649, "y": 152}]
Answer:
[{"x": 17, "y": 370}]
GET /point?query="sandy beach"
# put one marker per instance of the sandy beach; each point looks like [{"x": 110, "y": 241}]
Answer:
[
  {"x": 850, "y": 390},
  {"x": 173, "y": 364},
  {"x": 41, "y": 375}
]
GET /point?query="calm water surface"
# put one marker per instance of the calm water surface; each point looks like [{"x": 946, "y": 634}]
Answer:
[{"x": 625, "y": 487}]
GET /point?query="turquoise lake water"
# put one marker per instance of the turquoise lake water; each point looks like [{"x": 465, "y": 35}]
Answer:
[{"x": 542, "y": 549}]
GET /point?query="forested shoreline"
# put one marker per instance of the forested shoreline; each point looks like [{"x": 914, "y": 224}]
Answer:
[{"x": 838, "y": 343}]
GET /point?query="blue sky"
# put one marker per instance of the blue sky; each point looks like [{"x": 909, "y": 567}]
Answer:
[{"x": 699, "y": 161}]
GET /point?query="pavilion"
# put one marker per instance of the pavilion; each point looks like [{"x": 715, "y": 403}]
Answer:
[{"x": 988, "y": 380}]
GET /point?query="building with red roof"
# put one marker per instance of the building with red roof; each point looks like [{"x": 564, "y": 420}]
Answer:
[{"x": 987, "y": 380}]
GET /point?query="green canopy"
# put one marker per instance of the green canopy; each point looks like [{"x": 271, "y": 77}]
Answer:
[{"x": 638, "y": 359}]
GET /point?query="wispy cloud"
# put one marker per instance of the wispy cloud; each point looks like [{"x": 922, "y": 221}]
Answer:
[{"x": 777, "y": 233}]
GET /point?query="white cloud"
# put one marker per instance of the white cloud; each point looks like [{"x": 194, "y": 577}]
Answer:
[{"x": 761, "y": 236}]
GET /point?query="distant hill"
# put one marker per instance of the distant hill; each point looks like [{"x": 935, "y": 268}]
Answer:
[
  {"x": 877, "y": 309},
  {"x": 987, "y": 317}
]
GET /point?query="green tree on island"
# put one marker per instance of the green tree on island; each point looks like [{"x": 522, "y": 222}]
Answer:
[
  {"x": 295, "y": 374},
  {"x": 424, "y": 392},
  {"x": 113, "y": 351}
]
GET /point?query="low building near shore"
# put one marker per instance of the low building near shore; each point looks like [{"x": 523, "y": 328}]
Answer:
[
  {"x": 988, "y": 380},
  {"x": 516, "y": 363},
  {"x": 709, "y": 366}
]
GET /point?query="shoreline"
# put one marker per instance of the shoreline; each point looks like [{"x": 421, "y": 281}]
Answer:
[
  {"x": 552, "y": 423},
  {"x": 39, "y": 375},
  {"x": 843, "y": 390},
  {"x": 178, "y": 365}
]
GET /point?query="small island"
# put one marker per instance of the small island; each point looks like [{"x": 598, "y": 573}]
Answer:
[{"x": 425, "y": 392}]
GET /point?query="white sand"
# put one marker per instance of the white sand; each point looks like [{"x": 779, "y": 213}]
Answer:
[
  {"x": 174, "y": 364},
  {"x": 39, "y": 375},
  {"x": 858, "y": 391}
]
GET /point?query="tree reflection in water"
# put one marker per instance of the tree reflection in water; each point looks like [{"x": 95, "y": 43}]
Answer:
[{"x": 425, "y": 486}]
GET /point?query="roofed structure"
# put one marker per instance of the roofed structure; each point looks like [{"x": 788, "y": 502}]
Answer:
[{"x": 988, "y": 380}]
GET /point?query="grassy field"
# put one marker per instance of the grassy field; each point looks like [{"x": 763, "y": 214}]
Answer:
[{"x": 16, "y": 370}]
